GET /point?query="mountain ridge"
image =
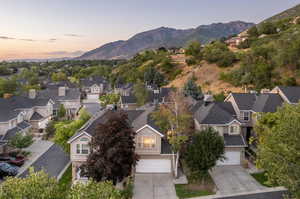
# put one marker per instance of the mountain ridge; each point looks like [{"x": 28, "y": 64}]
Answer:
[{"x": 164, "y": 37}]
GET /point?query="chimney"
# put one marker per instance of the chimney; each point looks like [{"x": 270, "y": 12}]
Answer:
[
  {"x": 61, "y": 91},
  {"x": 208, "y": 99},
  {"x": 32, "y": 94}
]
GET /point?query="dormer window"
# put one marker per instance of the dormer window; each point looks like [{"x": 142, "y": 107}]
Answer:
[
  {"x": 245, "y": 115},
  {"x": 233, "y": 130},
  {"x": 82, "y": 149},
  {"x": 146, "y": 142}
]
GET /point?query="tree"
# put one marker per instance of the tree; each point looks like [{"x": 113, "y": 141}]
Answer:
[
  {"x": 191, "y": 89},
  {"x": 194, "y": 49},
  {"x": 60, "y": 76},
  {"x": 253, "y": 32},
  {"x": 50, "y": 129},
  {"x": 176, "y": 119},
  {"x": 8, "y": 86},
  {"x": 94, "y": 190},
  {"x": 36, "y": 185},
  {"x": 112, "y": 150},
  {"x": 141, "y": 93},
  {"x": 110, "y": 98},
  {"x": 278, "y": 147},
  {"x": 66, "y": 129},
  {"x": 153, "y": 77},
  {"x": 61, "y": 111},
  {"x": 205, "y": 149},
  {"x": 267, "y": 28},
  {"x": 20, "y": 141}
]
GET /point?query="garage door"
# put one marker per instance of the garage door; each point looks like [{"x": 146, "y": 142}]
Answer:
[
  {"x": 153, "y": 166},
  {"x": 233, "y": 158},
  {"x": 92, "y": 96}
]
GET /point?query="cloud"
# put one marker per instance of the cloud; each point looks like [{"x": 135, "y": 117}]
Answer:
[
  {"x": 27, "y": 39},
  {"x": 65, "y": 53},
  {"x": 73, "y": 35},
  {"x": 7, "y": 38},
  {"x": 52, "y": 40}
]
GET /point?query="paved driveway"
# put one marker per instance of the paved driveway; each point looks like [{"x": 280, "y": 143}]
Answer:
[
  {"x": 154, "y": 186},
  {"x": 234, "y": 179}
]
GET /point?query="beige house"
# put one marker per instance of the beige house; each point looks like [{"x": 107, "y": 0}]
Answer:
[
  {"x": 220, "y": 117},
  {"x": 155, "y": 152}
]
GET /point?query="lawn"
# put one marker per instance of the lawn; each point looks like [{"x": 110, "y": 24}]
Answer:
[
  {"x": 65, "y": 181},
  {"x": 261, "y": 178},
  {"x": 189, "y": 191}
]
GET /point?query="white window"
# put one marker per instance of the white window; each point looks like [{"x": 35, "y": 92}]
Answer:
[
  {"x": 83, "y": 149},
  {"x": 233, "y": 129},
  {"x": 146, "y": 142},
  {"x": 246, "y": 115}
]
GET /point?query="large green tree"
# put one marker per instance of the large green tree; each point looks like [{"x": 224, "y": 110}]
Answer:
[
  {"x": 192, "y": 89},
  {"x": 112, "y": 154},
  {"x": 36, "y": 186},
  {"x": 205, "y": 149},
  {"x": 141, "y": 93},
  {"x": 176, "y": 120},
  {"x": 279, "y": 145}
]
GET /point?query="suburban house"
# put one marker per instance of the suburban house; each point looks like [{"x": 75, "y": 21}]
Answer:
[
  {"x": 155, "y": 152},
  {"x": 93, "y": 87},
  {"x": 20, "y": 114},
  {"x": 221, "y": 117},
  {"x": 69, "y": 97},
  {"x": 155, "y": 96},
  {"x": 123, "y": 89}
]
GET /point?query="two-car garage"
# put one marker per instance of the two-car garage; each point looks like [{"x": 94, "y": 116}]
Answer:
[{"x": 154, "y": 166}]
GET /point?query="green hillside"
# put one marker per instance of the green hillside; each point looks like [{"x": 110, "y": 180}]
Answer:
[{"x": 290, "y": 13}]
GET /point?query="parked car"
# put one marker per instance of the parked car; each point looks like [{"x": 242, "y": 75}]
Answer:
[
  {"x": 8, "y": 170},
  {"x": 17, "y": 161}
]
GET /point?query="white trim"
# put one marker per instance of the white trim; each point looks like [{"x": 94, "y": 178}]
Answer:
[
  {"x": 226, "y": 124},
  {"x": 63, "y": 171},
  {"x": 151, "y": 129},
  {"x": 80, "y": 134}
]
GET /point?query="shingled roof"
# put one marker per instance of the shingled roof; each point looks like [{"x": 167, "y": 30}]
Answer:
[
  {"x": 292, "y": 93},
  {"x": 267, "y": 102},
  {"x": 244, "y": 101},
  {"x": 215, "y": 113}
]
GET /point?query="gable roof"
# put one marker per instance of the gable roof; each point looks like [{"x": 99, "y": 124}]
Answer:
[
  {"x": 267, "y": 102},
  {"x": 52, "y": 93},
  {"x": 244, "y": 101},
  {"x": 100, "y": 118},
  {"x": 215, "y": 113},
  {"x": 292, "y": 93},
  {"x": 11, "y": 107},
  {"x": 36, "y": 116},
  {"x": 88, "y": 82}
]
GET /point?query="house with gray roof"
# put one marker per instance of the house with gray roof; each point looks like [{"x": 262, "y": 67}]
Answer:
[
  {"x": 68, "y": 97},
  {"x": 155, "y": 96},
  {"x": 20, "y": 114},
  {"x": 221, "y": 117},
  {"x": 93, "y": 87},
  {"x": 151, "y": 144}
]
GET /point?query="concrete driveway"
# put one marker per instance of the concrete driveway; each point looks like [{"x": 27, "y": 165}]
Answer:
[
  {"x": 154, "y": 186},
  {"x": 234, "y": 179}
]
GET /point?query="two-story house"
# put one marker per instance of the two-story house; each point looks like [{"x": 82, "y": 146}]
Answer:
[
  {"x": 123, "y": 89},
  {"x": 69, "y": 97},
  {"x": 155, "y": 96},
  {"x": 93, "y": 87},
  {"x": 221, "y": 117},
  {"x": 155, "y": 152},
  {"x": 19, "y": 114}
]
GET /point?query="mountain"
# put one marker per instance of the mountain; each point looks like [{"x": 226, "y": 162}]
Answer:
[
  {"x": 167, "y": 37},
  {"x": 292, "y": 12}
]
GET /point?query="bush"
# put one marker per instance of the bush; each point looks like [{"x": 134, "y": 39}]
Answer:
[
  {"x": 267, "y": 28},
  {"x": 20, "y": 141}
]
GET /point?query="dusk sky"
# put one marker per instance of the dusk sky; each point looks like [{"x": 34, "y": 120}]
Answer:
[{"x": 58, "y": 28}]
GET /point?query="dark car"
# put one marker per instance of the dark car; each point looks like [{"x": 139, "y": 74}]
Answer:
[
  {"x": 17, "y": 161},
  {"x": 8, "y": 170}
]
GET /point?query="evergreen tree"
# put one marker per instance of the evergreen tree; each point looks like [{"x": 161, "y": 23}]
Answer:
[{"x": 191, "y": 89}]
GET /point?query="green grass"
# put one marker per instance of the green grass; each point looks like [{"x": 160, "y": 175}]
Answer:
[
  {"x": 65, "y": 181},
  {"x": 261, "y": 178},
  {"x": 183, "y": 191}
]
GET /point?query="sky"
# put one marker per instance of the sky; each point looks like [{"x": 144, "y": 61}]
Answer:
[{"x": 65, "y": 28}]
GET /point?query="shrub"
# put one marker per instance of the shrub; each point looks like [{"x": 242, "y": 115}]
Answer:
[{"x": 20, "y": 141}]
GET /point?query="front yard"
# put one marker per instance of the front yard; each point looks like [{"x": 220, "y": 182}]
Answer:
[
  {"x": 195, "y": 187},
  {"x": 261, "y": 178}
]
